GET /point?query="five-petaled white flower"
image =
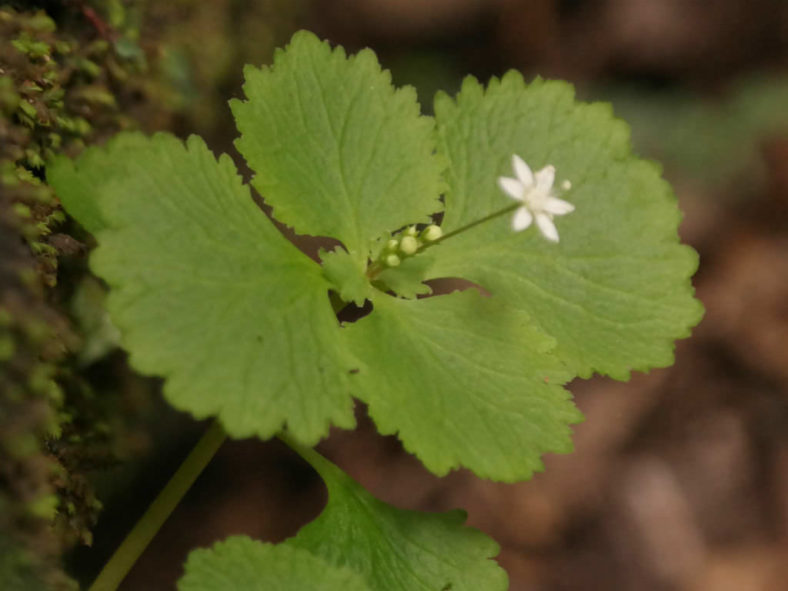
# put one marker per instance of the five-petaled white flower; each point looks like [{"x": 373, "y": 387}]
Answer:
[{"x": 535, "y": 190}]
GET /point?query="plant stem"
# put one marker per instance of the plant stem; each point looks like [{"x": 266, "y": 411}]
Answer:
[
  {"x": 376, "y": 268},
  {"x": 159, "y": 510},
  {"x": 487, "y": 218},
  {"x": 309, "y": 454}
]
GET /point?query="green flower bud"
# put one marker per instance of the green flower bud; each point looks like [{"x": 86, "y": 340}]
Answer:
[
  {"x": 431, "y": 233},
  {"x": 393, "y": 260},
  {"x": 410, "y": 231},
  {"x": 392, "y": 245},
  {"x": 408, "y": 245}
]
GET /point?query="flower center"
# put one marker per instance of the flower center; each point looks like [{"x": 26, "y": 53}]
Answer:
[{"x": 536, "y": 198}]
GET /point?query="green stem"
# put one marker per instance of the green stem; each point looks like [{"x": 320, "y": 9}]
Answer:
[
  {"x": 376, "y": 268},
  {"x": 324, "y": 467},
  {"x": 307, "y": 453},
  {"x": 149, "y": 524},
  {"x": 500, "y": 212}
]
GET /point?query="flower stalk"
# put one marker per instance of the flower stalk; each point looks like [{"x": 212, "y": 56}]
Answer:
[
  {"x": 121, "y": 562},
  {"x": 535, "y": 200}
]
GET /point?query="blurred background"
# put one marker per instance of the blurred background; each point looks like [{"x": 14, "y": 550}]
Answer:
[{"x": 679, "y": 480}]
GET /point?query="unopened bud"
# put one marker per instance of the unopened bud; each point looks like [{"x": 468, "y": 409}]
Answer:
[
  {"x": 410, "y": 231},
  {"x": 566, "y": 185},
  {"x": 392, "y": 245},
  {"x": 431, "y": 233},
  {"x": 393, "y": 260},
  {"x": 408, "y": 245}
]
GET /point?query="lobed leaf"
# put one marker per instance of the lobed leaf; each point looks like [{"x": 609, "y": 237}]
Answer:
[
  {"x": 206, "y": 291},
  {"x": 615, "y": 292},
  {"x": 407, "y": 280},
  {"x": 211, "y": 296},
  {"x": 463, "y": 380},
  {"x": 393, "y": 549},
  {"x": 336, "y": 149},
  {"x": 247, "y": 565},
  {"x": 346, "y": 275},
  {"x": 75, "y": 184}
]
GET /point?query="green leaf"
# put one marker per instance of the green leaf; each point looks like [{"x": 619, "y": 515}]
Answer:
[
  {"x": 210, "y": 295},
  {"x": 207, "y": 292},
  {"x": 346, "y": 275},
  {"x": 239, "y": 563},
  {"x": 89, "y": 310},
  {"x": 615, "y": 293},
  {"x": 75, "y": 185},
  {"x": 464, "y": 381},
  {"x": 394, "y": 549},
  {"x": 407, "y": 279},
  {"x": 337, "y": 151}
]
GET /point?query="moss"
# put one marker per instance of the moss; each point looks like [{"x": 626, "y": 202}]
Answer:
[
  {"x": 73, "y": 74},
  {"x": 61, "y": 88}
]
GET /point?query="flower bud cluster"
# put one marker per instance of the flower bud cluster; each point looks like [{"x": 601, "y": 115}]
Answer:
[{"x": 406, "y": 244}]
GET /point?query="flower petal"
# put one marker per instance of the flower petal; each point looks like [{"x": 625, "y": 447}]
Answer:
[
  {"x": 557, "y": 206},
  {"x": 523, "y": 171},
  {"x": 547, "y": 227},
  {"x": 512, "y": 187},
  {"x": 522, "y": 219},
  {"x": 545, "y": 178}
]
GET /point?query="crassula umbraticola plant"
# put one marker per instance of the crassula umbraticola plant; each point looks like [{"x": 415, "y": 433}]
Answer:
[{"x": 211, "y": 296}]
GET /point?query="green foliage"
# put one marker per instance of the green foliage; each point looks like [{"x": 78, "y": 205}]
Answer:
[
  {"x": 89, "y": 311},
  {"x": 463, "y": 380},
  {"x": 346, "y": 275},
  {"x": 208, "y": 294},
  {"x": 615, "y": 293},
  {"x": 393, "y": 549},
  {"x": 406, "y": 280},
  {"x": 337, "y": 151},
  {"x": 357, "y": 541},
  {"x": 235, "y": 316},
  {"x": 96, "y": 167},
  {"x": 241, "y": 563}
]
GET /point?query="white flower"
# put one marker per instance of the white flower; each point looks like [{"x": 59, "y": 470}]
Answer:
[{"x": 535, "y": 190}]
